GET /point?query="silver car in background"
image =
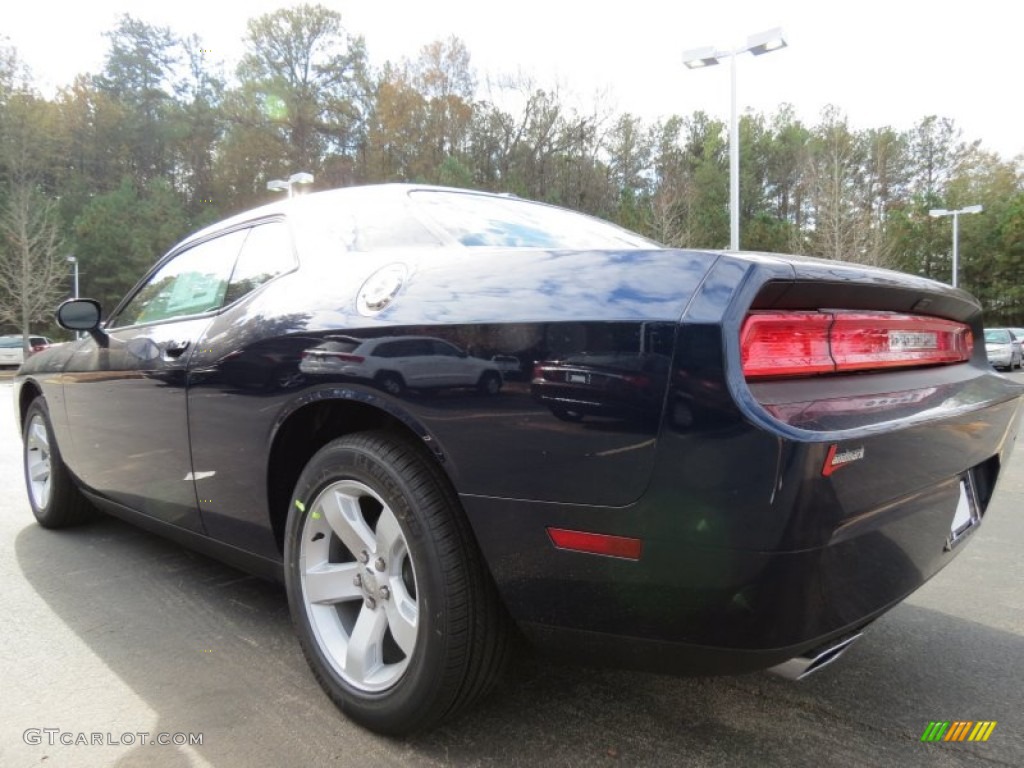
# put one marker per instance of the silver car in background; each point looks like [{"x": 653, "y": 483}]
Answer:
[
  {"x": 1002, "y": 348},
  {"x": 12, "y": 348}
]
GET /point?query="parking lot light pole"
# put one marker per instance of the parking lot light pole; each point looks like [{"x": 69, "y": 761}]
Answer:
[
  {"x": 936, "y": 213},
  {"x": 698, "y": 58},
  {"x": 282, "y": 185},
  {"x": 74, "y": 262}
]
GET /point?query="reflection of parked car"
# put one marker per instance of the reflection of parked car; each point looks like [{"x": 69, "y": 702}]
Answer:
[
  {"x": 1002, "y": 348},
  {"x": 627, "y": 386},
  {"x": 396, "y": 363},
  {"x": 12, "y": 348},
  {"x": 740, "y": 523},
  {"x": 509, "y": 366}
]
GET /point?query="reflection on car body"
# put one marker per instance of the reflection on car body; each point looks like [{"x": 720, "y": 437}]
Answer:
[
  {"x": 509, "y": 366},
  {"x": 397, "y": 363},
  {"x": 621, "y": 373}
]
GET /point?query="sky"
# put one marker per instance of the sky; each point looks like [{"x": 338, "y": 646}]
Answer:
[{"x": 883, "y": 63}]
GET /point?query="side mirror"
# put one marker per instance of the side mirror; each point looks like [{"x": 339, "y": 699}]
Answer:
[{"x": 82, "y": 315}]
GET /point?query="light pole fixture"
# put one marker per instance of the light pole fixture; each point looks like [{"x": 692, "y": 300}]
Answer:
[
  {"x": 698, "y": 58},
  {"x": 280, "y": 185},
  {"x": 74, "y": 263},
  {"x": 936, "y": 213}
]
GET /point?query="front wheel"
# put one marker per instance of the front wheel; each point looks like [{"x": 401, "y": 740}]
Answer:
[
  {"x": 395, "y": 612},
  {"x": 55, "y": 499}
]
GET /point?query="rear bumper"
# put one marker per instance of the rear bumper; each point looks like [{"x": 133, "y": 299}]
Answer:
[
  {"x": 1000, "y": 358},
  {"x": 750, "y": 557},
  {"x": 709, "y": 609}
]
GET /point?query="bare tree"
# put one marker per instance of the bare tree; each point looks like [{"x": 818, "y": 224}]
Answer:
[{"x": 32, "y": 263}]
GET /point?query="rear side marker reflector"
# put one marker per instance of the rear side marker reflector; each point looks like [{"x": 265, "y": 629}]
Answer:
[
  {"x": 596, "y": 543},
  {"x": 805, "y": 343}
]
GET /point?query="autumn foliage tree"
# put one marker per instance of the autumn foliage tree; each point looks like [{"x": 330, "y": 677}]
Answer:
[{"x": 161, "y": 140}]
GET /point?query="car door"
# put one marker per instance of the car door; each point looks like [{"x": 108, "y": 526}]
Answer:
[
  {"x": 453, "y": 366},
  {"x": 126, "y": 398},
  {"x": 419, "y": 363}
]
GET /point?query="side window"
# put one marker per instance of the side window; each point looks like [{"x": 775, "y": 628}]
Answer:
[
  {"x": 266, "y": 253},
  {"x": 191, "y": 283},
  {"x": 421, "y": 348},
  {"x": 388, "y": 349},
  {"x": 446, "y": 349}
]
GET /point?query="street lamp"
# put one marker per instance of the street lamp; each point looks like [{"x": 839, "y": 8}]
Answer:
[
  {"x": 74, "y": 261},
  {"x": 936, "y": 213},
  {"x": 698, "y": 58},
  {"x": 280, "y": 185}
]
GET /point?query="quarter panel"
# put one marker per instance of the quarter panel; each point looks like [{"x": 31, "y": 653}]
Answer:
[{"x": 249, "y": 370}]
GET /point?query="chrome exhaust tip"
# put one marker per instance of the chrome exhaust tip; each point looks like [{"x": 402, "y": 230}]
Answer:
[{"x": 800, "y": 667}]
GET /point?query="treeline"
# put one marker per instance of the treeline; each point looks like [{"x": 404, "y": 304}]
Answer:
[{"x": 120, "y": 164}]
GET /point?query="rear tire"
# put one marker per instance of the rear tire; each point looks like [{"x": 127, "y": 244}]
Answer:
[
  {"x": 55, "y": 499},
  {"x": 395, "y": 611}
]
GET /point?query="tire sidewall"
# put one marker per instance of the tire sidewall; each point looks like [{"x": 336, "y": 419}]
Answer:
[
  {"x": 44, "y": 514},
  {"x": 412, "y": 696}
]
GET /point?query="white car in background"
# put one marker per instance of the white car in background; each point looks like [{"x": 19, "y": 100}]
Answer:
[
  {"x": 12, "y": 348},
  {"x": 398, "y": 363},
  {"x": 1002, "y": 348}
]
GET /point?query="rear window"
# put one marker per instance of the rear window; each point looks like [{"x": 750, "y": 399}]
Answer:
[
  {"x": 8, "y": 343},
  {"x": 997, "y": 336},
  {"x": 508, "y": 222}
]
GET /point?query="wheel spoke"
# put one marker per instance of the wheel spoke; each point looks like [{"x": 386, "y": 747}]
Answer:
[
  {"x": 343, "y": 514},
  {"x": 39, "y": 471},
  {"x": 332, "y": 583},
  {"x": 389, "y": 535},
  {"x": 365, "y": 652},
  {"x": 403, "y": 619},
  {"x": 39, "y": 434}
]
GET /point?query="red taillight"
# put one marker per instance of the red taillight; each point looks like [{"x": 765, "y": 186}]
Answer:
[
  {"x": 804, "y": 343},
  {"x": 596, "y": 543},
  {"x": 786, "y": 344},
  {"x": 637, "y": 380}
]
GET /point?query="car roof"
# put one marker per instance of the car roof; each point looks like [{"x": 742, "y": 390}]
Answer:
[{"x": 378, "y": 191}]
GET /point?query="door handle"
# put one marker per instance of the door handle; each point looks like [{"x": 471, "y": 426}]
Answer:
[{"x": 175, "y": 348}]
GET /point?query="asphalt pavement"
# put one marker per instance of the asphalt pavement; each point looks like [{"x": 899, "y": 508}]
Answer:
[{"x": 115, "y": 636}]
